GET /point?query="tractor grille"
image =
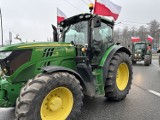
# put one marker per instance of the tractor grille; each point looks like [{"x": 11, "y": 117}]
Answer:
[
  {"x": 47, "y": 63},
  {"x": 48, "y": 52},
  {"x": 16, "y": 59}
]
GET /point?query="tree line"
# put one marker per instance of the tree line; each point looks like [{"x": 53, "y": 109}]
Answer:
[{"x": 124, "y": 35}]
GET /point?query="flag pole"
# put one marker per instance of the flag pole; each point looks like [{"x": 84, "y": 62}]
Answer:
[
  {"x": 57, "y": 24},
  {"x": 1, "y": 27}
]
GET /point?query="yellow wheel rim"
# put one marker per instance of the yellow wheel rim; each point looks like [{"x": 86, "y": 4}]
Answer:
[
  {"x": 122, "y": 76},
  {"x": 57, "y": 105}
]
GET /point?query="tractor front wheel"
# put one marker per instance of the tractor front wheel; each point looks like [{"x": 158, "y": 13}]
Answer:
[
  {"x": 119, "y": 78},
  {"x": 56, "y": 96}
]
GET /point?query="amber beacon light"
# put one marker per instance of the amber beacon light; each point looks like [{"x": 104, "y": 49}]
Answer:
[{"x": 91, "y": 7}]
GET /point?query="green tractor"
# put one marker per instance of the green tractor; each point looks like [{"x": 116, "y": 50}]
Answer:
[
  {"x": 48, "y": 80},
  {"x": 141, "y": 51}
]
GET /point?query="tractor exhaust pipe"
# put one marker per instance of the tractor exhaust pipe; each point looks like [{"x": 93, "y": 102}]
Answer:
[{"x": 55, "y": 39}]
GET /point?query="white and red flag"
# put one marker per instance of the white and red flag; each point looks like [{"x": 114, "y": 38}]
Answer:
[
  {"x": 107, "y": 8},
  {"x": 150, "y": 38},
  {"x": 60, "y": 15},
  {"x": 135, "y": 39}
]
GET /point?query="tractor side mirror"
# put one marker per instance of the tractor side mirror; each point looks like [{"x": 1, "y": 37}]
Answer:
[
  {"x": 97, "y": 21},
  {"x": 55, "y": 35}
]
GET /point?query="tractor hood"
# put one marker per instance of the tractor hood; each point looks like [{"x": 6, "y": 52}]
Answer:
[
  {"x": 32, "y": 45},
  {"x": 17, "y": 59}
]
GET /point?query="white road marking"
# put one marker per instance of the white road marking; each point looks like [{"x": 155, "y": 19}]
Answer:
[{"x": 154, "y": 92}]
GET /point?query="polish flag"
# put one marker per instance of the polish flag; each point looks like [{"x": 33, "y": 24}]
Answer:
[
  {"x": 150, "y": 38},
  {"x": 135, "y": 39},
  {"x": 107, "y": 8},
  {"x": 60, "y": 16}
]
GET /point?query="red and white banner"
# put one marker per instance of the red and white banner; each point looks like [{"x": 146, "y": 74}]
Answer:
[
  {"x": 150, "y": 39},
  {"x": 135, "y": 39},
  {"x": 60, "y": 16},
  {"x": 107, "y": 8}
]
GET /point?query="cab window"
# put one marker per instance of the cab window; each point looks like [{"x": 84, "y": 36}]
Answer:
[
  {"x": 103, "y": 33},
  {"x": 76, "y": 33}
]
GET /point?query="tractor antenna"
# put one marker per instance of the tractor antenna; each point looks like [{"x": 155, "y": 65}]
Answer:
[{"x": 91, "y": 7}]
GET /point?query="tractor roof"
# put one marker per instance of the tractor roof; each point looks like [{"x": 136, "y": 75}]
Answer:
[{"x": 84, "y": 17}]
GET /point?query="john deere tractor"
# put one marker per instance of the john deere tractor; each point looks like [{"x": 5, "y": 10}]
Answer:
[
  {"x": 141, "y": 51},
  {"x": 48, "y": 80}
]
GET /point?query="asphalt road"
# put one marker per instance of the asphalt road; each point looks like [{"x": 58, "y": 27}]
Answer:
[{"x": 142, "y": 103}]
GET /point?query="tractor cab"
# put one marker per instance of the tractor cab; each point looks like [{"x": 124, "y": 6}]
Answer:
[
  {"x": 90, "y": 34},
  {"x": 141, "y": 51}
]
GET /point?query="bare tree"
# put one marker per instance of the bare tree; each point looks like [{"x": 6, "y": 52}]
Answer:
[
  {"x": 117, "y": 35},
  {"x": 154, "y": 30},
  {"x": 124, "y": 35},
  {"x": 133, "y": 32},
  {"x": 142, "y": 32}
]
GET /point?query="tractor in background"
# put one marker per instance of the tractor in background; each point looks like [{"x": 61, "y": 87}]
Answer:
[
  {"x": 48, "y": 80},
  {"x": 141, "y": 51}
]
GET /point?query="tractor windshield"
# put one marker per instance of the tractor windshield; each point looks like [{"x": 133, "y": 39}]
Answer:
[
  {"x": 76, "y": 33},
  {"x": 140, "y": 46}
]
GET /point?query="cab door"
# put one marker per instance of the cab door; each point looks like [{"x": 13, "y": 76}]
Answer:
[{"x": 102, "y": 39}]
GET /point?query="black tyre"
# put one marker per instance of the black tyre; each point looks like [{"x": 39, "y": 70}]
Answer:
[
  {"x": 159, "y": 60},
  {"x": 150, "y": 59},
  {"x": 147, "y": 60},
  {"x": 134, "y": 62},
  {"x": 56, "y": 96},
  {"x": 119, "y": 78}
]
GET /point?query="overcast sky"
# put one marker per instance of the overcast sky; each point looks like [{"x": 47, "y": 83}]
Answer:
[{"x": 32, "y": 19}]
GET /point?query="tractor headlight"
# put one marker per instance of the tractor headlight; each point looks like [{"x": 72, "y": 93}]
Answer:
[
  {"x": 135, "y": 55},
  {"x": 3, "y": 55},
  {"x": 81, "y": 17},
  {"x": 139, "y": 54}
]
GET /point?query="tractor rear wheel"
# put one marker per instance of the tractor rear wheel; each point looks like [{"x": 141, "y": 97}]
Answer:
[
  {"x": 151, "y": 59},
  {"x": 147, "y": 60},
  {"x": 56, "y": 96},
  {"x": 159, "y": 60},
  {"x": 119, "y": 77}
]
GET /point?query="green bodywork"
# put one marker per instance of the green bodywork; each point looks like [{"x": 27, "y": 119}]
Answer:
[
  {"x": 26, "y": 61},
  {"x": 63, "y": 55}
]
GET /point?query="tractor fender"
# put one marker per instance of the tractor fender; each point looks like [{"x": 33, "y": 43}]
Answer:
[
  {"x": 51, "y": 69},
  {"x": 108, "y": 58}
]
